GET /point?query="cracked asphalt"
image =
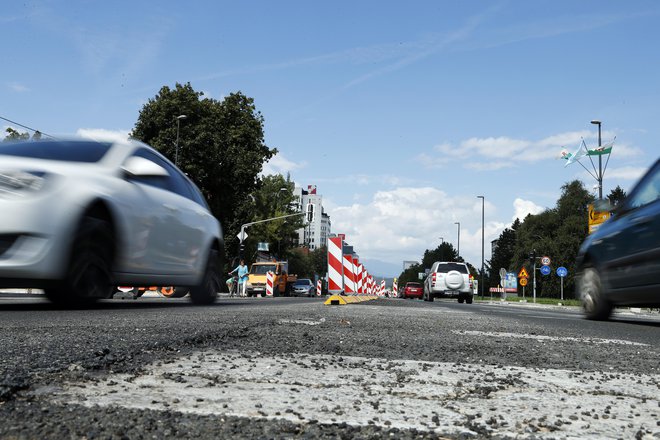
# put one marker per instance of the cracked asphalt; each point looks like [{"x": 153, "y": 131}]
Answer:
[{"x": 294, "y": 368}]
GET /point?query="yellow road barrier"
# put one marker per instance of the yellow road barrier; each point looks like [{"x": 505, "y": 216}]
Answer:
[{"x": 340, "y": 300}]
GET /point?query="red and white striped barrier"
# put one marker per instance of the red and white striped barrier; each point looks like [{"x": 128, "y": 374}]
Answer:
[
  {"x": 381, "y": 292},
  {"x": 360, "y": 285},
  {"x": 395, "y": 288},
  {"x": 318, "y": 288},
  {"x": 335, "y": 265},
  {"x": 349, "y": 282},
  {"x": 269, "y": 283}
]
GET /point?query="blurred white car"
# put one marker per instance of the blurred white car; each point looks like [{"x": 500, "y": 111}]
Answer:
[{"x": 80, "y": 217}]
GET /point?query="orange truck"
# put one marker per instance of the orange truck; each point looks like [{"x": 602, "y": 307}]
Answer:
[{"x": 282, "y": 279}]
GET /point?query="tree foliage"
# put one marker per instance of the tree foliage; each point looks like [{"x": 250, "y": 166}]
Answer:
[
  {"x": 14, "y": 135},
  {"x": 616, "y": 196},
  {"x": 220, "y": 146}
]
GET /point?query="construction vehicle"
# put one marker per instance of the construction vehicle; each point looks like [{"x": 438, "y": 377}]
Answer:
[{"x": 282, "y": 279}]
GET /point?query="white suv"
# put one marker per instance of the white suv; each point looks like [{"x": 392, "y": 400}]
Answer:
[{"x": 449, "y": 279}]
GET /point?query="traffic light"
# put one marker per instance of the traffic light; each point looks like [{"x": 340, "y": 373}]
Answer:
[{"x": 532, "y": 258}]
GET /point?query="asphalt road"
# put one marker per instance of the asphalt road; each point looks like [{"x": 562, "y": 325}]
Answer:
[{"x": 295, "y": 368}]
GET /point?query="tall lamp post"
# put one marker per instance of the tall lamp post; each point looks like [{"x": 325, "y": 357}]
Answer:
[
  {"x": 442, "y": 250},
  {"x": 600, "y": 162},
  {"x": 176, "y": 153},
  {"x": 483, "y": 201},
  {"x": 458, "y": 245}
]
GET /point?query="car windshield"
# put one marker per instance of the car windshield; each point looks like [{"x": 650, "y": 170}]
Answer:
[
  {"x": 447, "y": 267},
  {"x": 67, "y": 151},
  {"x": 262, "y": 269},
  {"x": 303, "y": 282}
]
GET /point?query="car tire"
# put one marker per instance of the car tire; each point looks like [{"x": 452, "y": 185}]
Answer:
[
  {"x": 276, "y": 291},
  {"x": 89, "y": 272},
  {"x": 207, "y": 291},
  {"x": 461, "y": 299},
  {"x": 595, "y": 305},
  {"x": 469, "y": 299}
]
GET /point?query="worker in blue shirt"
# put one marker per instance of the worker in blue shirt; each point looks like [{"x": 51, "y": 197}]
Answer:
[{"x": 242, "y": 272}]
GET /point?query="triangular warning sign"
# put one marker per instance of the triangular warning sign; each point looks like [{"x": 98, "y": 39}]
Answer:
[{"x": 523, "y": 273}]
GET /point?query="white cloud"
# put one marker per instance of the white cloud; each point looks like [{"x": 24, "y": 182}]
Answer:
[
  {"x": 494, "y": 153},
  {"x": 279, "y": 164},
  {"x": 402, "y": 223},
  {"x": 101, "y": 134},
  {"x": 625, "y": 173},
  {"x": 18, "y": 88},
  {"x": 523, "y": 207}
]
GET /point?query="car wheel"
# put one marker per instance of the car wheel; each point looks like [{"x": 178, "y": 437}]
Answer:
[
  {"x": 469, "y": 299},
  {"x": 461, "y": 299},
  {"x": 276, "y": 291},
  {"x": 595, "y": 306},
  {"x": 207, "y": 291},
  {"x": 88, "y": 276}
]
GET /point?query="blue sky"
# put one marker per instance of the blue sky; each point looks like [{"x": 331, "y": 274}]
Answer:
[{"x": 400, "y": 112}]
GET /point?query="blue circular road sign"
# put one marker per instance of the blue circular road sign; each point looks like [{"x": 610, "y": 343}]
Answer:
[
  {"x": 545, "y": 270},
  {"x": 562, "y": 271}
]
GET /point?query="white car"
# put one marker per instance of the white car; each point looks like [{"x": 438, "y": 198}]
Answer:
[
  {"x": 448, "y": 279},
  {"x": 81, "y": 217}
]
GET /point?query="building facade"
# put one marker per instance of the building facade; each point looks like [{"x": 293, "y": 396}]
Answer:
[{"x": 315, "y": 233}]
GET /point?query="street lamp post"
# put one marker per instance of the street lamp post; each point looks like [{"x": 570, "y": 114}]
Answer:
[
  {"x": 483, "y": 201},
  {"x": 458, "y": 244},
  {"x": 176, "y": 153},
  {"x": 600, "y": 162},
  {"x": 442, "y": 250}
]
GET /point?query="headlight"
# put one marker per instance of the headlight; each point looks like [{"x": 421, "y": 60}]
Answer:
[
  {"x": 21, "y": 182},
  {"x": 248, "y": 284}
]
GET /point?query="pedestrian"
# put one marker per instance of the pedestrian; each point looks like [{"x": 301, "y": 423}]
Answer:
[{"x": 242, "y": 272}]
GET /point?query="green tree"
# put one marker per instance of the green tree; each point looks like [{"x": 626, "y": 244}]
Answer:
[
  {"x": 556, "y": 233},
  {"x": 616, "y": 196},
  {"x": 221, "y": 147},
  {"x": 319, "y": 258},
  {"x": 300, "y": 263},
  {"x": 14, "y": 135}
]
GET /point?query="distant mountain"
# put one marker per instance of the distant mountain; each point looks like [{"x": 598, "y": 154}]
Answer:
[{"x": 382, "y": 269}]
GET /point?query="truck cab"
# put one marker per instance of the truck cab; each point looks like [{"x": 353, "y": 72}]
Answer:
[{"x": 282, "y": 280}]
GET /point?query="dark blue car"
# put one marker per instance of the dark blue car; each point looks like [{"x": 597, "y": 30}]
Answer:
[{"x": 619, "y": 264}]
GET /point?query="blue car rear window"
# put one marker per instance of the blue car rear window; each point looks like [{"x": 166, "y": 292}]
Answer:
[{"x": 67, "y": 151}]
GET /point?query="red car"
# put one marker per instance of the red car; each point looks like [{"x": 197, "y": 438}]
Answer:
[{"x": 413, "y": 290}]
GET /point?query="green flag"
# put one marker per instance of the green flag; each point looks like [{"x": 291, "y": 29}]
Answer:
[{"x": 603, "y": 149}]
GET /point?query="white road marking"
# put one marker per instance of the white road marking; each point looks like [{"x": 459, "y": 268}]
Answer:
[
  {"x": 432, "y": 396},
  {"x": 547, "y": 338}
]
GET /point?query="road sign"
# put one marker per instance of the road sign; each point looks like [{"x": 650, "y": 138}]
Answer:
[
  {"x": 523, "y": 281},
  {"x": 562, "y": 271},
  {"x": 545, "y": 261},
  {"x": 242, "y": 236},
  {"x": 523, "y": 273},
  {"x": 545, "y": 270},
  {"x": 502, "y": 273}
]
